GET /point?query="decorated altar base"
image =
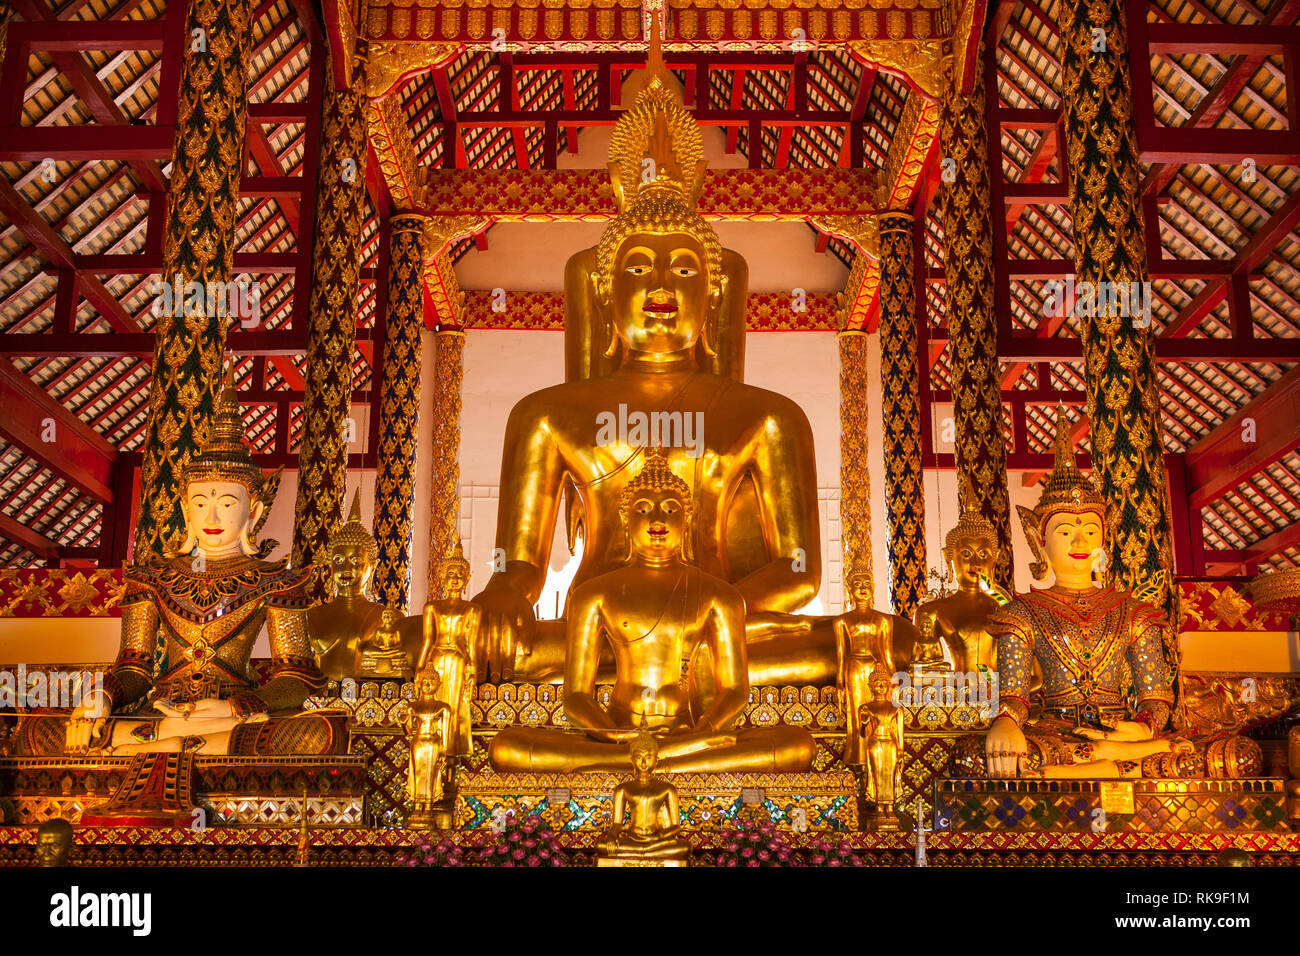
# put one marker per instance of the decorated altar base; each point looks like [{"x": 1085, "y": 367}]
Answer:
[
  {"x": 581, "y": 802},
  {"x": 1111, "y": 806},
  {"x": 232, "y": 791}
]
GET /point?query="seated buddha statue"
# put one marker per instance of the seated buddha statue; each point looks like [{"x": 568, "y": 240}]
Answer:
[
  {"x": 645, "y": 826},
  {"x": 959, "y": 621},
  {"x": 1107, "y": 679},
  {"x": 677, "y": 634},
  {"x": 659, "y": 284},
  {"x": 343, "y": 629},
  {"x": 208, "y": 599}
]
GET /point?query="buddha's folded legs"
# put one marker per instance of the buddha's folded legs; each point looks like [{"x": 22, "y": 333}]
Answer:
[
  {"x": 539, "y": 749},
  {"x": 308, "y": 734}
]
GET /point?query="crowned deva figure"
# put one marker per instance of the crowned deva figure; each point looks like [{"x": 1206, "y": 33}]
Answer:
[
  {"x": 1107, "y": 662},
  {"x": 207, "y": 599}
]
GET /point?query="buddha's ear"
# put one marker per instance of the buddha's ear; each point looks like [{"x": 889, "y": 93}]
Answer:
[
  {"x": 600, "y": 290},
  {"x": 716, "y": 296}
]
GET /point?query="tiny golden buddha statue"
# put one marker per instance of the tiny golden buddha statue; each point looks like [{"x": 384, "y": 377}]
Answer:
[
  {"x": 659, "y": 615},
  {"x": 382, "y": 655},
  {"x": 865, "y": 638},
  {"x": 959, "y": 621},
  {"x": 881, "y": 724},
  {"x": 209, "y": 599},
  {"x": 1097, "y": 647},
  {"x": 54, "y": 842},
  {"x": 658, "y": 285},
  {"x": 428, "y": 728},
  {"x": 450, "y": 624},
  {"x": 651, "y": 835},
  {"x": 344, "y": 629}
]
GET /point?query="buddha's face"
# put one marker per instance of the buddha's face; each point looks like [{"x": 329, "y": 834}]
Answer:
[
  {"x": 51, "y": 848},
  {"x": 880, "y": 684},
  {"x": 972, "y": 559},
  {"x": 659, "y": 292},
  {"x": 656, "y": 524},
  {"x": 454, "y": 580},
  {"x": 218, "y": 514},
  {"x": 860, "y": 591},
  {"x": 1072, "y": 543},
  {"x": 643, "y": 759},
  {"x": 352, "y": 569}
]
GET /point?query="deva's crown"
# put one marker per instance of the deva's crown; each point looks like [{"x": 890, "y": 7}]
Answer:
[
  {"x": 1067, "y": 490},
  {"x": 353, "y": 534},
  {"x": 224, "y": 456}
]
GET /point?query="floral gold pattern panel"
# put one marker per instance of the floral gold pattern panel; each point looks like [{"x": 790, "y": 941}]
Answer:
[
  {"x": 855, "y": 489},
  {"x": 449, "y": 373},
  {"x": 901, "y": 408},
  {"x": 981, "y": 448},
  {"x": 398, "y": 413},
  {"x": 331, "y": 329},
  {"x": 199, "y": 246},
  {"x": 1119, "y": 357},
  {"x": 53, "y": 592}
]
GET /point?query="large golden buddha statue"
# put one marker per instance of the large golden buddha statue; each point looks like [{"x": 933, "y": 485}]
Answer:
[
  {"x": 1108, "y": 671},
  {"x": 677, "y": 635},
  {"x": 208, "y": 600},
  {"x": 746, "y": 454}
]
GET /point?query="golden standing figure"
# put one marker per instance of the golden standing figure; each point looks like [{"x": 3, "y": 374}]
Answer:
[
  {"x": 659, "y": 284},
  {"x": 882, "y": 727},
  {"x": 450, "y": 624},
  {"x": 959, "y": 621},
  {"x": 343, "y": 629},
  {"x": 677, "y": 635},
  {"x": 652, "y": 834},
  {"x": 210, "y": 599},
  {"x": 865, "y": 641},
  {"x": 1097, "y": 648},
  {"x": 428, "y": 727}
]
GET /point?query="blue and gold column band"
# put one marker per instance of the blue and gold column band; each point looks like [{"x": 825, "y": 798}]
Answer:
[
  {"x": 399, "y": 412},
  {"x": 901, "y": 414},
  {"x": 980, "y": 447},
  {"x": 198, "y": 247},
  {"x": 1118, "y": 349},
  {"x": 332, "y": 327}
]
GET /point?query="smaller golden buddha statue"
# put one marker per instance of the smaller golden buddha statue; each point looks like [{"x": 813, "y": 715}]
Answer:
[
  {"x": 208, "y": 599},
  {"x": 866, "y": 640},
  {"x": 664, "y": 620},
  {"x": 959, "y": 621},
  {"x": 344, "y": 629},
  {"x": 427, "y": 726},
  {"x": 53, "y": 842},
  {"x": 1097, "y": 648},
  {"x": 450, "y": 624},
  {"x": 881, "y": 725},
  {"x": 382, "y": 655},
  {"x": 651, "y": 835}
]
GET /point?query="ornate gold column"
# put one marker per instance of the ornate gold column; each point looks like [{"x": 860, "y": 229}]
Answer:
[
  {"x": 199, "y": 246},
  {"x": 1119, "y": 358},
  {"x": 445, "y": 505},
  {"x": 981, "y": 449},
  {"x": 399, "y": 411},
  {"x": 332, "y": 325},
  {"x": 901, "y": 411},
  {"x": 855, "y": 489}
]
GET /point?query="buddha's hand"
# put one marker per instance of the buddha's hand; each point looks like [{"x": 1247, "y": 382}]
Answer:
[
  {"x": 685, "y": 741},
  {"x": 1004, "y": 745},
  {"x": 1124, "y": 730},
  {"x": 86, "y": 721},
  {"x": 505, "y": 627}
]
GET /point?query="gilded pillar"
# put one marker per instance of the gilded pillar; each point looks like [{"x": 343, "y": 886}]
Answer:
[
  {"x": 449, "y": 345},
  {"x": 901, "y": 413},
  {"x": 1118, "y": 346},
  {"x": 398, "y": 412},
  {"x": 855, "y": 490},
  {"x": 332, "y": 325},
  {"x": 199, "y": 247},
  {"x": 981, "y": 449}
]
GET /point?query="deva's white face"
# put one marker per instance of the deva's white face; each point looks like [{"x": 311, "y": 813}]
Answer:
[
  {"x": 218, "y": 513},
  {"x": 1073, "y": 542}
]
